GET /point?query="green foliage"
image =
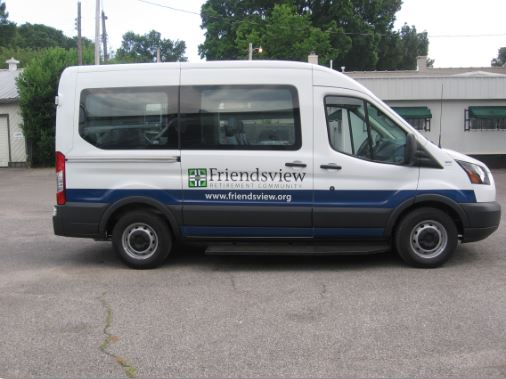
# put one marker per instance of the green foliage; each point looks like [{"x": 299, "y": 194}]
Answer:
[
  {"x": 357, "y": 34},
  {"x": 500, "y": 61},
  {"x": 291, "y": 34},
  {"x": 365, "y": 22},
  {"x": 37, "y": 36},
  {"x": 7, "y": 28},
  {"x": 136, "y": 48},
  {"x": 38, "y": 85},
  {"x": 4, "y": 15},
  {"x": 7, "y": 33},
  {"x": 221, "y": 19},
  {"x": 43, "y": 52},
  {"x": 24, "y": 56},
  {"x": 400, "y": 49},
  {"x": 24, "y": 42}
]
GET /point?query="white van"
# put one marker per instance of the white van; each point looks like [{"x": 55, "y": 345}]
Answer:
[{"x": 257, "y": 158}]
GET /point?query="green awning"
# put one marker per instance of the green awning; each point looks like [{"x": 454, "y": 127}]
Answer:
[
  {"x": 490, "y": 113},
  {"x": 413, "y": 112}
]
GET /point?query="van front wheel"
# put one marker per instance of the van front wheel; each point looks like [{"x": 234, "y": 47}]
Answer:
[
  {"x": 142, "y": 239},
  {"x": 426, "y": 237}
]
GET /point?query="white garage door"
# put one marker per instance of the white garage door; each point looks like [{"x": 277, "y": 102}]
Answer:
[{"x": 4, "y": 142}]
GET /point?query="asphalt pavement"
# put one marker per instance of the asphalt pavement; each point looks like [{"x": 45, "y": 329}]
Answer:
[{"x": 70, "y": 308}]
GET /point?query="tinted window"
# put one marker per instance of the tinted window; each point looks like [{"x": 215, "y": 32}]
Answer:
[
  {"x": 240, "y": 117},
  {"x": 129, "y": 118},
  {"x": 360, "y": 129}
]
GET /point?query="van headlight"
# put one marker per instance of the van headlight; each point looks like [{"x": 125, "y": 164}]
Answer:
[{"x": 476, "y": 173}]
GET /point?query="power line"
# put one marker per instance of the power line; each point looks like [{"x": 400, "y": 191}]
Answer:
[
  {"x": 251, "y": 22},
  {"x": 357, "y": 34},
  {"x": 169, "y": 7},
  {"x": 466, "y": 35}
]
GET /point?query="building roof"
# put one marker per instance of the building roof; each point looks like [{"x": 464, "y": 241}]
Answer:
[
  {"x": 431, "y": 72},
  {"x": 423, "y": 71},
  {"x": 426, "y": 83},
  {"x": 8, "y": 88},
  {"x": 435, "y": 88}
]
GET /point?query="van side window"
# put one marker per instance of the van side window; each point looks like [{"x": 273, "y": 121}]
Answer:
[
  {"x": 358, "y": 128},
  {"x": 129, "y": 118},
  {"x": 240, "y": 117}
]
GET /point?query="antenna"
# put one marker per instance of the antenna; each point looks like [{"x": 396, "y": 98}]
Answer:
[{"x": 441, "y": 118}]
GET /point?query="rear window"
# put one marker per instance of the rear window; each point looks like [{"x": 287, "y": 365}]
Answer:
[{"x": 129, "y": 118}]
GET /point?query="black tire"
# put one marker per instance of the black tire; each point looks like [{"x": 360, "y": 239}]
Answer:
[
  {"x": 142, "y": 239},
  {"x": 426, "y": 237}
]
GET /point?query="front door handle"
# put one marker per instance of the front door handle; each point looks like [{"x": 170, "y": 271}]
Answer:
[
  {"x": 295, "y": 164},
  {"x": 330, "y": 166}
]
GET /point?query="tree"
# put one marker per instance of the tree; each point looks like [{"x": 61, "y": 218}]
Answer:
[
  {"x": 136, "y": 48},
  {"x": 4, "y": 15},
  {"x": 400, "y": 49},
  {"x": 221, "y": 19},
  {"x": 24, "y": 56},
  {"x": 24, "y": 42},
  {"x": 360, "y": 33},
  {"x": 365, "y": 22},
  {"x": 7, "y": 28},
  {"x": 500, "y": 61},
  {"x": 38, "y": 36},
  {"x": 38, "y": 85},
  {"x": 291, "y": 34}
]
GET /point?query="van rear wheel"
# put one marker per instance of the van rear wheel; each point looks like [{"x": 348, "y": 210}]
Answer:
[
  {"x": 426, "y": 237},
  {"x": 142, "y": 239}
]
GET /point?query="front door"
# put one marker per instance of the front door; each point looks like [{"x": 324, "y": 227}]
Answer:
[{"x": 361, "y": 173}]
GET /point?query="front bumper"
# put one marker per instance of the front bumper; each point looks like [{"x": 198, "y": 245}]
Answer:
[{"x": 483, "y": 220}]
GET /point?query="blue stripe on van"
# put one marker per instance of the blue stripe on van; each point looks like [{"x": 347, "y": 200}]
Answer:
[
  {"x": 110, "y": 196},
  {"x": 338, "y": 198}
]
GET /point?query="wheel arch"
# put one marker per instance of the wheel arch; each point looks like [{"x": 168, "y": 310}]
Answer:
[
  {"x": 113, "y": 213},
  {"x": 443, "y": 203}
]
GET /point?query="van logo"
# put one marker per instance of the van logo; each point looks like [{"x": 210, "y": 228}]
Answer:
[{"x": 197, "y": 177}]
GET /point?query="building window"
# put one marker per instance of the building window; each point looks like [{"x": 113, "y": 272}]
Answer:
[
  {"x": 255, "y": 117},
  {"x": 418, "y": 117},
  {"x": 485, "y": 118}
]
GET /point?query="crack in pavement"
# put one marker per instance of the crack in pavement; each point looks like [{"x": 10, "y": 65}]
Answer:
[
  {"x": 323, "y": 292},
  {"x": 109, "y": 339},
  {"x": 232, "y": 281}
]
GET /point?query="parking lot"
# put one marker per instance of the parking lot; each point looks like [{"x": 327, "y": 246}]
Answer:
[{"x": 70, "y": 308}]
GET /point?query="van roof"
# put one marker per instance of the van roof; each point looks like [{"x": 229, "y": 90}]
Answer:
[
  {"x": 325, "y": 76},
  {"x": 206, "y": 65}
]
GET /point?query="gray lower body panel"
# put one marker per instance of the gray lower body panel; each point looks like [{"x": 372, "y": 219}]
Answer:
[{"x": 78, "y": 219}]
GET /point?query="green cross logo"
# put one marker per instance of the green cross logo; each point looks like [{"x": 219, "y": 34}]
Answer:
[{"x": 197, "y": 177}]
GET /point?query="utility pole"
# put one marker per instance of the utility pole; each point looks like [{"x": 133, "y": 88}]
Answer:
[
  {"x": 251, "y": 50},
  {"x": 79, "y": 42},
  {"x": 97, "y": 32},
  {"x": 104, "y": 37}
]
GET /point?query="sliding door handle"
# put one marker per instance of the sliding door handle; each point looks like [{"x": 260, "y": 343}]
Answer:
[
  {"x": 295, "y": 164},
  {"x": 330, "y": 166}
]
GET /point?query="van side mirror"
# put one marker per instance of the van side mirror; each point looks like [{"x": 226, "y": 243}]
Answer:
[{"x": 410, "y": 150}]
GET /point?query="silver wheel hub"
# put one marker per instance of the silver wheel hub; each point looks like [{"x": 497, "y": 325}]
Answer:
[
  {"x": 139, "y": 241},
  {"x": 429, "y": 239}
]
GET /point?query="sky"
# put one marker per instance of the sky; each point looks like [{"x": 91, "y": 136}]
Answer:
[{"x": 462, "y": 33}]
